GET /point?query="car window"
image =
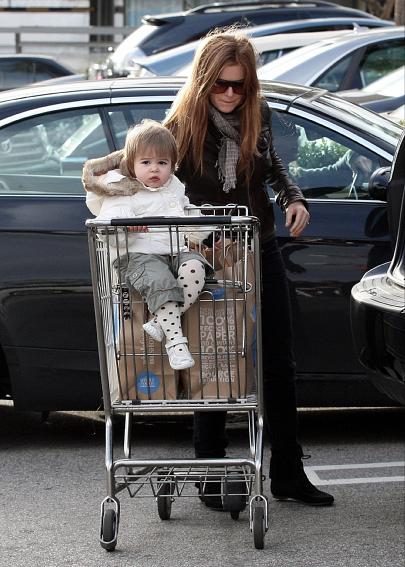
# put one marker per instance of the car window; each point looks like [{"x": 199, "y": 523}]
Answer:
[
  {"x": 45, "y": 154},
  {"x": 380, "y": 60},
  {"x": 334, "y": 76},
  {"x": 324, "y": 163},
  {"x": 267, "y": 56},
  {"x": 125, "y": 116},
  {"x": 43, "y": 71},
  {"x": 15, "y": 73}
]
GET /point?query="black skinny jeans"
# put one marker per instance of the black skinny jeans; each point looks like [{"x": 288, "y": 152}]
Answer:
[{"x": 278, "y": 368}]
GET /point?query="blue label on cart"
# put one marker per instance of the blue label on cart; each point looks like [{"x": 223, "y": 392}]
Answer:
[
  {"x": 147, "y": 382},
  {"x": 218, "y": 293}
]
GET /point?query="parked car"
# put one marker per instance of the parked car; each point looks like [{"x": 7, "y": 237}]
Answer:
[
  {"x": 164, "y": 31},
  {"x": 271, "y": 48},
  {"x": 383, "y": 95},
  {"x": 48, "y": 349},
  {"x": 341, "y": 63},
  {"x": 19, "y": 70},
  {"x": 170, "y": 61},
  {"x": 378, "y": 300}
]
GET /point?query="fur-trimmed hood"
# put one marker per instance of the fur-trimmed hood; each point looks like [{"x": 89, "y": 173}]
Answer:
[{"x": 94, "y": 168}]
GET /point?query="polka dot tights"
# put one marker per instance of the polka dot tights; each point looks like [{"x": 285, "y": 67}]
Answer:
[{"x": 191, "y": 277}]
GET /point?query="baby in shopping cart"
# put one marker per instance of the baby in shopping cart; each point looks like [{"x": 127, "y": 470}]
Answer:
[{"x": 136, "y": 182}]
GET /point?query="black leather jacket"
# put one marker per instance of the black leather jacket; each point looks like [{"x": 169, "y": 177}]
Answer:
[{"x": 268, "y": 170}]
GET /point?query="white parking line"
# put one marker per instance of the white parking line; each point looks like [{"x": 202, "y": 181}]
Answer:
[{"x": 315, "y": 479}]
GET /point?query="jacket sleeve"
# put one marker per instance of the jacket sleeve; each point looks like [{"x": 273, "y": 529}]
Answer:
[
  {"x": 338, "y": 174},
  {"x": 94, "y": 202},
  {"x": 285, "y": 189}
]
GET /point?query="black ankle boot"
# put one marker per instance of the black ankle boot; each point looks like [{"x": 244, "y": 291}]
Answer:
[{"x": 289, "y": 481}]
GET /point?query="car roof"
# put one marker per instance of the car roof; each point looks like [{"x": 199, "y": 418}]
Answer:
[
  {"x": 161, "y": 31},
  {"x": 129, "y": 46},
  {"x": 27, "y": 56},
  {"x": 24, "y": 102},
  {"x": 251, "y": 5},
  {"x": 292, "y": 25},
  {"x": 37, "y": 58},
  {"x": 177, "y": 57},
  {"x": 285, "y": 67},
  {"x": 285, "y": 40},
  {"x": 277, "y": 42},
  {"x": 218, "y": 8}
]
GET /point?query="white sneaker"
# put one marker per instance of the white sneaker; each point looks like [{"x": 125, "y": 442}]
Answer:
[
  {"x": 179, "y": 356},
  {"x": 154, "y": 330}
]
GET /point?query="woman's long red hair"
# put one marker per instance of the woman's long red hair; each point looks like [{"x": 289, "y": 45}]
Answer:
[{"x": 188, "y": 116}]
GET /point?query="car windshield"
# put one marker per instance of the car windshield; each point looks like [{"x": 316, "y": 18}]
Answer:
[
  {"x": 388, "y": 85},
  {"x": 360, "y": 118}
]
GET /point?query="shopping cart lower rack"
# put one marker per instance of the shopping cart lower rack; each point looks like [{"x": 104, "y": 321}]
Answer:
[{"x": 224, "y": 334}]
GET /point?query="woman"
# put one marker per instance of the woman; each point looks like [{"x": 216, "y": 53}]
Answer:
[{"x": 226, "y": 155}]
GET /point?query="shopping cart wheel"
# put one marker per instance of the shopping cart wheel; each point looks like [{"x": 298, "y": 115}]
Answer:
[
  {"x": 164, "y": 500},
  {"x": 234, "y": 495},
  {"x": 109, "y": 525},
  {"x": 259, "y": 526}
]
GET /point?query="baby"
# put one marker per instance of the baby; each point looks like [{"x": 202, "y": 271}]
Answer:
[{"x": 135, "y": 182}]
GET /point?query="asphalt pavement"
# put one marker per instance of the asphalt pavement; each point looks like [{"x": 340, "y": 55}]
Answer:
[{"x": 52, "y": 484}]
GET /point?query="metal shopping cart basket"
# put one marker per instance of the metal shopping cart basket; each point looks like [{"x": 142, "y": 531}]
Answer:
[{"x": 224, "y": 333}]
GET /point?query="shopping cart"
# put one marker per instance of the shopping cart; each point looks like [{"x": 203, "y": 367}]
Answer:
[{"x": 224, "y": 333}]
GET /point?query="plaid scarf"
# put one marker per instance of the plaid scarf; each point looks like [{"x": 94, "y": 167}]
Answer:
[{"x": 228, "y": 154}]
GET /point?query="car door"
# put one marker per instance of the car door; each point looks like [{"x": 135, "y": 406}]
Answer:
[
  {"x": 347, "y": 235},
  {"x": 378, "y": 300},
  {"x": 47, "y": 329}
]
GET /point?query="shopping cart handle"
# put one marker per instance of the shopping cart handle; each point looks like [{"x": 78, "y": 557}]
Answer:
[{"x": 183, "y": 221}]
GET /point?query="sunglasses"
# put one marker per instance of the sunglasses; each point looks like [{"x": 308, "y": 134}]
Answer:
[{"x": 220, "y": 86}]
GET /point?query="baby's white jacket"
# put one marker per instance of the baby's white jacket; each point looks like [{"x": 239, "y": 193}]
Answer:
[{"x": 168, "y": 201}]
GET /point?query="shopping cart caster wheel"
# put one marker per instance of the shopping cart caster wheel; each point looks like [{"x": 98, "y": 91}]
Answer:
[
  {"x": 164, "y": 501},
  {"x": 109, "y": 530},
  {"x": 234, "y": 496},
  {"x": 259, "y": 526}
]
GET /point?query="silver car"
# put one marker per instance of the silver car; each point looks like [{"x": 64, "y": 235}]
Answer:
[
  {"x": 128, "y": 58},
  {"x": 341, "y": 63}
]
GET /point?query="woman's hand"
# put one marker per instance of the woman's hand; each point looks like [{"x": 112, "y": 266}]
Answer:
[{"x": 297, "y": 218}]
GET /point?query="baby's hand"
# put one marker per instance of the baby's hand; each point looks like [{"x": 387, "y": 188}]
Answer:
[{"x": 137, "y": 228}]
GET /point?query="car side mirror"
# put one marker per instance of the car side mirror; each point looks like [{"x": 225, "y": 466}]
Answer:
[{"x": 378, "y": 183}]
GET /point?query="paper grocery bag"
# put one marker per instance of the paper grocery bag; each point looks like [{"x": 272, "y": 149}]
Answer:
[
  {"x": 144, "y": 372},
  {"x": 220, "y": 328}
]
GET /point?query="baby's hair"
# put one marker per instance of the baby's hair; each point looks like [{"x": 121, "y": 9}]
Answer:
[{"x": 149, "y": 135}]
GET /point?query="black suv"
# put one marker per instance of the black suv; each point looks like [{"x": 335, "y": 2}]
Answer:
[
  {"x": 163, "y": 31},
  {"x": 378, "y": 300}
]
